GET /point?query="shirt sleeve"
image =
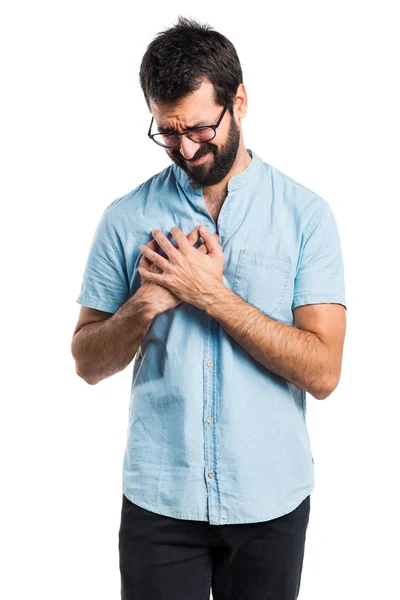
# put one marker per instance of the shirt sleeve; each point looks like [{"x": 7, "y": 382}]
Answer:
[
  {"x": 105, "y": 282},
  {"x": 320, "y": 273}
]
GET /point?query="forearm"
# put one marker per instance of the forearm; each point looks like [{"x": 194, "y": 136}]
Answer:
[
  {"x": 294, "y": 354},
  {"x": 106, "y": 347}
]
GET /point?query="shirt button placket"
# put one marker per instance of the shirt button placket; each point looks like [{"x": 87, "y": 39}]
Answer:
[{"x": 209, "y": 419}]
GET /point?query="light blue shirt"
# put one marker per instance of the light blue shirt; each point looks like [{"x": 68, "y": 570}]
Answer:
[{"x": 212, "y": 434}]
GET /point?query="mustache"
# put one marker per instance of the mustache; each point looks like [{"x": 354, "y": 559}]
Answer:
[{"x": 199, "y": 154}]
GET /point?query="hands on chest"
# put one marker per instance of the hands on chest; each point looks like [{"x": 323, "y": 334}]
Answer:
[{"x": 188, "y": 274}]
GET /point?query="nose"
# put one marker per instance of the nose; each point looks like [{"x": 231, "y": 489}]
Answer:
[{"x": 188, "y": 148}]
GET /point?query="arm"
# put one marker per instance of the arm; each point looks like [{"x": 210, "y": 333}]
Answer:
[
  {"x": 103, "y": 348},
  {"x": 309, "y": 360},
  {"x": 309, "y": 357},
  {"x": 106, "y": 347}
]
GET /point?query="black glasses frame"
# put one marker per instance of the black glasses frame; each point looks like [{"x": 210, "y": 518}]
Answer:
[{"x": 187, "y": 131}]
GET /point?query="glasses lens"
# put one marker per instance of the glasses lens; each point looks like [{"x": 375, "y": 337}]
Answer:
[
  {"x": 165, "y": 139},
  {"x": 204, "y": 134}
]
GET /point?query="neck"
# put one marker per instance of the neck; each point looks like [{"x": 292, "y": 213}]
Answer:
[{"x": 242, "y": 161}]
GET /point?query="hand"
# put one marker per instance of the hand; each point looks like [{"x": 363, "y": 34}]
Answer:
[
  {"x": 162, "y": 297},
  {"x": 192, "y": 276}
]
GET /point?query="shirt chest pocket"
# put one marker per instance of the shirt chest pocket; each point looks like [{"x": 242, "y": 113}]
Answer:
[{"x": 262, "y": 279}]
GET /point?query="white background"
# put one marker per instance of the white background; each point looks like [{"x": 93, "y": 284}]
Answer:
[{"x": 321, "y": 79}]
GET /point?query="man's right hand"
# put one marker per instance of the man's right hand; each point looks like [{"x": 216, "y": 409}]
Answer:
[{"x": 161, "y": 296}]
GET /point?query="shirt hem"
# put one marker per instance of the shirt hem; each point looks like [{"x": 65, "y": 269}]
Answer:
[
  {"x": 99, "y": 303},
  {"x": 157, "y": 511},
  {"x": 309, "y": 298},
  {"x": 221, "y": 521}
]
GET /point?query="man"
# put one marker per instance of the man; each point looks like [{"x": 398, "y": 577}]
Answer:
[{"x": 224, "y": 279}]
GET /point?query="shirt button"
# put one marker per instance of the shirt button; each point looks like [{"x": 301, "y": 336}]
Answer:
[
  {"x": 198, "y": 208},
  {"x": 210, "y": 363},
  {"x": 211, "y": 474},
  {"x": 209, "y": 419}
]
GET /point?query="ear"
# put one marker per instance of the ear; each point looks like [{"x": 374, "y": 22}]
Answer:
[{"x": 240, "y": 102}]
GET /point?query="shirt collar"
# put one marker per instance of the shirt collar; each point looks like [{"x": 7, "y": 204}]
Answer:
[{"x": 235, "y": 182}]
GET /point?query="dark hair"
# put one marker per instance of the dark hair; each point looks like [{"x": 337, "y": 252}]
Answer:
[{"x": 178, "y": 59}]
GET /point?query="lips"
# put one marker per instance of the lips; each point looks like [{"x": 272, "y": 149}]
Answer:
[{"x": 199, "y": 160}]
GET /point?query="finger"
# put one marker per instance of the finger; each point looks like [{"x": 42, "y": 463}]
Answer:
[
  {"x": 155, "y": 258},
  {"x": 195, "y": 235},
  {"x": 153, "y": 277},
  {"x": 153, "y": 245},
  {"x": 203, "y": 247},
  {"x": 145, "y": 262},
  {"x": 164, "y": 243},
  {"x": 210, "y": 241},
  {"x": 181, "y": 239}
]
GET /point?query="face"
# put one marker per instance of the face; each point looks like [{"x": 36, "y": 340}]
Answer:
[{"x": 219, "y": 154}]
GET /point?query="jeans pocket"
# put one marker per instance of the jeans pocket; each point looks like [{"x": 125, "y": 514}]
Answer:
[{"x": 261, "y": 279}]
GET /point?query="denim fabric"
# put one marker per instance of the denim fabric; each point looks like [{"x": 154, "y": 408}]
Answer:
[{"x": 213, "y": 435}]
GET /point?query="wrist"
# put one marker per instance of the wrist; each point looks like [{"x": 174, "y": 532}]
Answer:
[
  {"x": 144, "y": 302},
  {"x": 215, "y": 299}
]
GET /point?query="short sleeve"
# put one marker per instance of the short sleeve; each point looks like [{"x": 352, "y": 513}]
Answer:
[
  {"x": 105, "y": 283},
  {"x": 320, "y": 273}
]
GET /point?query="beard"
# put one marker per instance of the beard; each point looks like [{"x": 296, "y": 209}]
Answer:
[{"x": 216, "y": 167}]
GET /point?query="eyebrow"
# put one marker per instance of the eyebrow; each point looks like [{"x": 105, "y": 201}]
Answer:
[{"x": 167, "y": 130}]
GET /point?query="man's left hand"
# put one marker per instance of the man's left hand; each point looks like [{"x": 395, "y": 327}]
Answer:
[{"x": 191, "y": 275}]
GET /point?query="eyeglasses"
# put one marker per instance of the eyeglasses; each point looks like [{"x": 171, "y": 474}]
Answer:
[{"x": 196, "y": 134}]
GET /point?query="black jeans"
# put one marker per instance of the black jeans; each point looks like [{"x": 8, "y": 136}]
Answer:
[{"x": 163, "y": 558}]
